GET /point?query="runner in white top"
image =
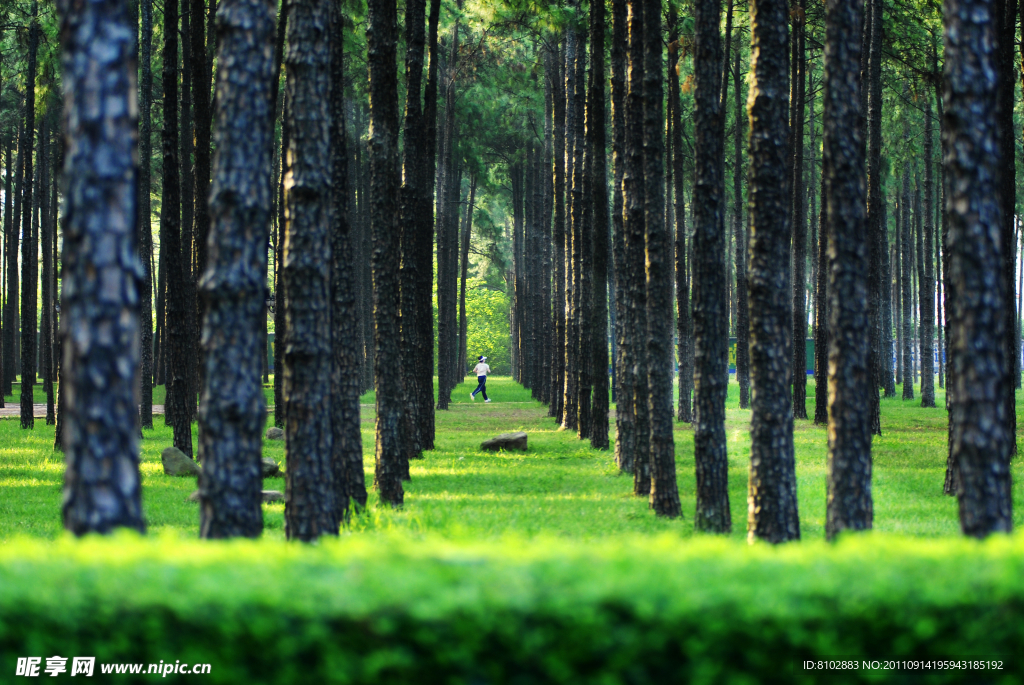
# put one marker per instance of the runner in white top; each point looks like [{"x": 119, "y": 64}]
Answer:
[{"x": 481, "y": 371}]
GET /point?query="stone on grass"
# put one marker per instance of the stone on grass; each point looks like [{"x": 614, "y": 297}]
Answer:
[
  {"x": 270, "y": 468},
  {"x": 268, "y": 496},
  {"x": 275, "y": 433},
  {"x": 506, "y": 441},
  {"x": 177, "y": 463}
]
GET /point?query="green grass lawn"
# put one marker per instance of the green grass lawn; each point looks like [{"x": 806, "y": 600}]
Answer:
[{"x": 560, "y": 487}]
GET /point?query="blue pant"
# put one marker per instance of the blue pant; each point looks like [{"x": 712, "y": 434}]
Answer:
[{"x": 482, "y": 387}]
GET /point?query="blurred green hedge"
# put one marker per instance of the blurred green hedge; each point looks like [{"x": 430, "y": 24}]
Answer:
[{"x": 401, "y": 610}]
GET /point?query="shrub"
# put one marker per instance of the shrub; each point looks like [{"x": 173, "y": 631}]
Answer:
[{"x": 398, "y": 610}]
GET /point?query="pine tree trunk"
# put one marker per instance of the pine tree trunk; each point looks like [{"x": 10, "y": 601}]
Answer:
[
  {"x": 102, "y": 486},
  {"x": 310, "y": 494},
  {"x": 232, "y": 410},
  {"x": 201, "y": 76},
  {"x": 625, "y": 427},
  {"x": 927, "y": 268},
  {"x": 584, "y": 253},
  {"x": 558, "y": 239},
  {"x": 848, "y": 470},
  {"x": 982, "y": 444},
  {"x": 187, "y": 142},
  {"x": 906, "y": 285},
  {"x": 280, "y": 297},
  {"x": 29, "y": 247},
  {"x": 684, "y": 325},
  {"x": 873, "y": 90},
  {"x": 799, "y": 219},
  {"x": 888, "y": 371},
  {"x": 347, "y": 446},
  {"x": 145, "y": 209},
  {"x": 710, "y": 309},
  {"x": 11, "y": 272},
  {"x": 599, "y": 188},
  {"x": 175, "y": 353},
  {"x": 1008, "y": 195},
  {"x": 634, "y": 192},
  {"x": 574, "y": 143},
  {"x": 467, "y": 229},
  {"x": 382, "y": 36},
  {"x": 772, "y": 510},
  {"x": 664, "y": 495},
  {"x": 46, "y": 238},
  {"x": 740, "y": 238}
]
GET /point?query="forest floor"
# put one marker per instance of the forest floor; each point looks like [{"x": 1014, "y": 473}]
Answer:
[{"x": 560, "y": 487}]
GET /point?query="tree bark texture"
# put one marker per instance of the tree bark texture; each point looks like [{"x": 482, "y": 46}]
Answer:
[
  {"x": 710, "y": 306},
  {"x": 906, "y": 286},
  {"x": 771, "y": 499},
  {"x": 102, "y": 273},
  {"x": 382, "y": 36},
  {"x": 176, "y": 361},
  {"x": 558, "y": 240},
  {"x": 29, "y": 247},
  {"x": 310, "y": 507},
  {"x": 741, "y": 240},
  {"x": 875, "y": 227},
  {"x": 928, "y": 269},
  {"x": 10, "y": 269},
  {"x": 982, "y": 443},
  {"x": 848, "y": 469},
  {"x": 574, "y": 144},
  {"x": 232, "y": 410},
  {"x": 634, "y": 191},
  {"x": 145, "y": 208},
  {"x": 347, "y": 444},
  {"x": 201, "y": 78},
  {"x": 798, "y": 312}
]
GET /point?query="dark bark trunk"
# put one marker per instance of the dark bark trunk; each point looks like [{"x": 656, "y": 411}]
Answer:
[
  {"x": 982, "y": 443},
  {"x": 584, "y": 253},
  {"x": 906, "y": 285},
  {"x": 684, "y": 326},
  {"x": 413, "y": 204},
  {"x": 310, "y": 496},
  {"x": 382, "y": 36},
  {"x": 873, "y": 89},
  {"x": 740, "y": 238},
  {"x": 201, "y": 76},
  {"x": 848, "y": 474},
  {"x": 11, "y": 271},
  {"x": 425, "y": 251},
  {"x": 102, "y": 486},
  {"x": 558, "y": 240},
  {"x": 574, "y": 143},
  {"x": 29, "y": 247},
  {"x": 625, "y": 427},
  {"x": 467, "y": 229},
  {"x": 1008, "y": 179},
  {"x": 599, "y": 188},
  {"x": 145, "y": 209},
  {"x": 927, "y": 271},
  {"x": 280, "y": 298},
  {"x": 634, "y": 192},
  {"x": 174, "y": 342},
  {"x": 188, "y": 276},
  {"x": 799, "y": 224},
  {"x": 772, "y": 513},
  {"x": 664, "y": 493},
  {"x": 46, "y": 238},
  {"x": 886, "y": 292},
  {"x": 347, "y": 446},
  {"x": 232, "y": 410},
  {"x": 710, "y": 309}
]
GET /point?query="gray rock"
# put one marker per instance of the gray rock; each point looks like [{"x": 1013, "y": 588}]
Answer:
[
  {"x": 272, "y": 496},
  {"x": 270, "y": 468},
  {"x": 268, "y": 496},
  {"x": 506, "y": 441},
  {"x": 176, "y": 463},
  {"x": 274, "y": 433}
]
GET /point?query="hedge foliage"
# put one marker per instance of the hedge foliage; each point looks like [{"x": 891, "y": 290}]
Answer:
[{"x": 403, "y": 610}]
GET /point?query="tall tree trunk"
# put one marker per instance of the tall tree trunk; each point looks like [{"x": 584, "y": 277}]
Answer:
[
  {"x": 46, "y": 238},
  {"x": 927, "y": 269},
  {"x": 145, "y": 209},
  {"x": 1008, "y": 196},
  {"x": 201, "y": 76},
  {"x": 10, "y": 270},
  {"x": 412, "y": 206},
  {"x": 232, "y": 410},
  {"x": 170, "y": 247},
  {"x": 848, "y": 470},
  {"x": 310, "y": 495},
  {"x": 584, "y": 238},
  {"x": 906, "y": 279},
  {"x": 574, "y": 143},
  {"x": 740, "y": 238},
  {"x": 102, "y": 486},
  {"x": 710, "y": 309},
  {"x": 467, "y": 229},
  {"x": 599, "y": 188},
  {"x": 382, "y": 36},
  {"x": 799, "y": 224},
  {"x": 558, "y": 239},
  {"x": 187, "y": 142},
  {"x": 684, "y": 325},
  {"x": 888, "y": 371},
  {"x": 29, "y": 279},
  {"x": 280, "y": 296},
  {"x": 634, "y": 191},
  {"x": 981, "y": 442},
  {"x": 625, "y": 427},
  {"x": 821, "y": 343},
  {"x": 347, "y": 446},
  {"x": 772, "y": 509},
  {"x": 664, "y": 493},
  {"x": 873, "y": 89}
]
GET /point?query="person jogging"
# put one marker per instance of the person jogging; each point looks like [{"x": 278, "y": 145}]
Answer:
[{"x": 481, "y": 371}]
